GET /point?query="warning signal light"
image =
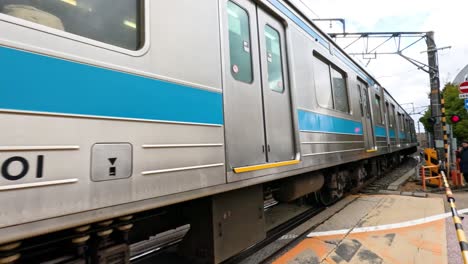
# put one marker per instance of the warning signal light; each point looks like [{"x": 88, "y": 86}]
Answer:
[{"x": 455, "y": 119}]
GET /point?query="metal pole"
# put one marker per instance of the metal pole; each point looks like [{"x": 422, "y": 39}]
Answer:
[
  {"x": 435, "y": 94},
  {"x": 453, "y": 147}
]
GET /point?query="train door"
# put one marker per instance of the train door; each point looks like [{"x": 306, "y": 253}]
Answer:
[
  {"x": 276, "y": 96},
  {"x": 367, "y": 122},
  {"x": 388, "y": 123},
  {"x": 258, "y": 121}
]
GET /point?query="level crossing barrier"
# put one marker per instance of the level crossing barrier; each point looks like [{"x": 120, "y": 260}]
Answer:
[{"x": 457, "y": 220}]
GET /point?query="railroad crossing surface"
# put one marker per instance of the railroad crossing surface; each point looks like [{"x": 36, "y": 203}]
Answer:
[{"x": 377, "y": 229}]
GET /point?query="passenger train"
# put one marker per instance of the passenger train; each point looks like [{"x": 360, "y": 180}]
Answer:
[{"x": 121, "y": 119}]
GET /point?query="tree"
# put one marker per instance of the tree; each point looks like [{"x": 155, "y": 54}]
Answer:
[
  {"x": 428, "y": 126},
  {"x": 453, "y": 106}
]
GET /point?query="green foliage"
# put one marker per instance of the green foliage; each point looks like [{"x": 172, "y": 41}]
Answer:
[
  {"x": 453, "y": 106},
  {"x": 425, "y": 121},
  {"x": 456, "y": 106},
  {"x": 461, "y": 130}
]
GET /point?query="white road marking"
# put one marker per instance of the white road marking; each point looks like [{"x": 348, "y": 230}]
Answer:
[{"x": 386, "y": 227}]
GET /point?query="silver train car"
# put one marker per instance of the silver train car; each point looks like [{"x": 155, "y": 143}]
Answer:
[{"x": 109, "y": 109}]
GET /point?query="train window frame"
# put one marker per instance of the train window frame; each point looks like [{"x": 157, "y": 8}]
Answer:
[
  {"x": 231, "y": 66},
  {"x": 329, "y": 87},
  {"x": 394, "y": 113},
  {"x": 389, "y": 114},
  {"x": 403, "y": 122},
  {"x": 400, "y": 121},
  {"x": 145, "y": 35},
  {"x": 281, "y": 62},
  {"x": 331, "y": 69},
  {"x": 334, "y": 69},
  {"x": 380, "y": 119},
  {"x": 360, "y": 97}
]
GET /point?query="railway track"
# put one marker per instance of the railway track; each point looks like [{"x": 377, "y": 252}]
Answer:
[{"x": 377, "y": 184}]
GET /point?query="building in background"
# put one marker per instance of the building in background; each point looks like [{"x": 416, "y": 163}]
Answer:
[
  {"x": 422, "y": 140},
  {"x": 462, "y": 76}
]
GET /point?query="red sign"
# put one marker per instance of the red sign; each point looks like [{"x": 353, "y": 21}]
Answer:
[{"x": 464, "y": 87}]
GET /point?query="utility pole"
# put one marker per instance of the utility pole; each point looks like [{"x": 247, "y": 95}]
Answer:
[{"x": 435, "y": 94}]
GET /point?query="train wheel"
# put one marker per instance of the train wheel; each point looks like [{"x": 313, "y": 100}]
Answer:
[
  {"x": 333, "y": 190},
  {"x": 359, "y": 176}
]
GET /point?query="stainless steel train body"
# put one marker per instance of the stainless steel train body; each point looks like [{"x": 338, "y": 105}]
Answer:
[{"x": 199, "y": 98}]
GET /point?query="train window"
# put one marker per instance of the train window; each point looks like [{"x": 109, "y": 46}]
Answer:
[
  {"x": 400, "y": 120},
  {"x": 340, "y": 93},
  {"x": 378, "y": 113},
  {"x": 389, "y": 115},
  {"x": 393, "y": 114},
  {"x": 115, "y": 22},
  {"x": 239, "y": 43},
  {"x": 330, "y": 85},
  {"x": 398, "y": 116},
  {"x": 360, "y": 99},
  {"x": 322, "y": 83},
  {"x": 275, "y": 62}
]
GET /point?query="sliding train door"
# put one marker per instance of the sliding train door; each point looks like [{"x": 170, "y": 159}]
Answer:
[
  {"x": 276, "y": 96},
  {"x": 367, "y": 122},
  {"x": 243, "y": 109},
  {"x": 257, "y": 105}
]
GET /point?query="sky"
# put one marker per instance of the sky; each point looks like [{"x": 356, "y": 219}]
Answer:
[{"x": 407, "y": 84}]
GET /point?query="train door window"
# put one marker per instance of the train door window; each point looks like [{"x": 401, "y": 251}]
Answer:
[
  {"x": 393, "y": 112},
  {"x": 340, "y": 93},
  {"x": 360, "y": 99},
  {"x": 239, "y": 43},
  {"x": 275, "y": 63},
  {"x": 400, "y": 120},
  {"x": 389, "y": 116},
  {"x": 378, "y": 113},
  {"x": 323, "y": 86},
  {"x": 115, "y": 22}
]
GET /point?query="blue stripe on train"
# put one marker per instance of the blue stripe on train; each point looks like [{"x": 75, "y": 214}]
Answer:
[
  {"x": 380, "y": 131},
  {"x": 392, "y": 133},
  {"x": 402, "y": 135},
  {"x": 33, "y": 82},
  {"x": 314, "y": 122}
]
